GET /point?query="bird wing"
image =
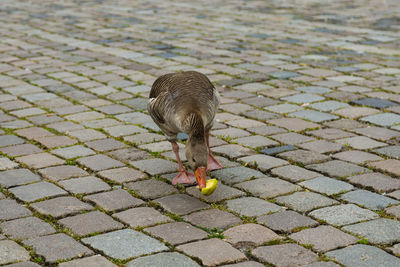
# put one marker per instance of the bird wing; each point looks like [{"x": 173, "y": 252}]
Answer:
[
  {"x": 162, "y": 84},
  {"x": 175, "y": 95},
  {"x": 154, "y": 112}
]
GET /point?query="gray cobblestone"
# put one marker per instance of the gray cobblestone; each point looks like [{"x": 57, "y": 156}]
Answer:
[
  {"x": 268, "y": 187},
  {"x": 286, "y": 221},
  {"x": 10, "y": 209},
  {"x": 57, "y": 247},
  {"x": 164, "y": 259},
  {"x": 305, "y": 201},
  {"x": 142, "y": 216},
  {"x": 363, "y": 254},
  {"x": 125, "y": 244},
  {"x": 343, "y": 214},
  {"x": 61, "y": 206},
  {"x": 368, "y": 199},
  {"x": 380, "y": 231},
  {"x": 91, "y": 222},
  {"x": 11, "y": 252},
  {"x": 37, "y": 191},
  {"x": 251, "y": 206},
  {"x": 317, "y": 98},
  {"x": 17, "y": 177},
  {"x": 273, "y": 255},
  {"x": 84, "y": 185},
  {"x": 25, "y": 228}
]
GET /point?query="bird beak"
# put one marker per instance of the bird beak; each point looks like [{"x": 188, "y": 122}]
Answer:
[{"x": 201, "y": 177}]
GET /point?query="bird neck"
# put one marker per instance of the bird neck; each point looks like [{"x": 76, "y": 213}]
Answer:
[{"x": 194, "y": 126}]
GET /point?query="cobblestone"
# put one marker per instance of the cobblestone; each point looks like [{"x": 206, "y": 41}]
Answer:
[
  {"x": 344, "y": 124},
  {"x": 315, "y": 94},
  {"x": 62, "y": 206},
  {"x": 326, "y": 185},
  {"x": 10, "y": 209},
  {"x": 321, "y": 146},
  {"x": 25, "y": 228},
  {"x": 40, "y": 160},
  {"x": 212, "y": 252},
  {"x": 114, "y": 200},
  {"x": 296, "y": 255},
  {"x": 361, "y": 142},
  {"x": 343, "y": 214},
  {"x": 125, "y": 244},
  {"x": 7, "y": 140},
  {"x": 177, "y": 232},
  {"x": 11, "y": 252},
  {"x": 222, "y": 192},
  {"x": 263, "y": 162},
  {"x": 57, "y": 247},
  {"x": 122, "y": 175},
  {"x": 91, "y": 222},
  {"x": 251, "y": 206},
  {"x": 293, "y": 124},
  {"x": 379, "y": 133},
  {"x": 294, "y": 173},
  {"x": 338, "y": 168},
  {"x": 15, "y": 177},
  {"x": 56, "y": 141},
  {"x": 155, "y": 166},
  {"x": 237, "y": 174},
  {"x": 152, "y": 188},
  {"x": 37, "y": 191},
  {"x": 390, "y": 151},
  {"x": 304, "y": 156},
  {"x": 181, "y": 204},
  {"x": 324, "y": 238},
  {"x": 286, "y": 221},
  {"x": 303, "y": 98},
  {"x": 142, "y": 216},
  {"x": 292, "y": 138},
  {"x": 73, "y": 152},
  {"x": 62, "y": 172},
  {"x": 389, "y": 165},
  {"x": 383, "y": 119},
  {"x": 368, "y": 199},
  {"x": 268, "y": 187},
  {"x": 84, "y": 185},
  {"x": 212, "y": 218},
  {"x": 20, "y": 150},
  {"x": 164, "y": 259},
  {"x": 378, "y": 181},
  {"x": 312, "y": 115},
  {"x": 380, "y": 231},
  {"x": 363, "y": 254},
  {"x": 99, "y": 162},
  {"x": 356, "y": 156},
  {"x": 331, "y": 133},
  {"x": 305, "y": 201},
  {"x": 95, "y": 260},
  {"x": 6, "y": 163}
]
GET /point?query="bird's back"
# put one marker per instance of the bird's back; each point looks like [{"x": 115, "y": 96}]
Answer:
[
  {"x": 175, "y": 95},
  {"x": 192, "y": 82}
]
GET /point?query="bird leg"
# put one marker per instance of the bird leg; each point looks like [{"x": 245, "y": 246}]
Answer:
[
  {"x": 212, "y": 163},
  {"x": 183, "y": 177}
]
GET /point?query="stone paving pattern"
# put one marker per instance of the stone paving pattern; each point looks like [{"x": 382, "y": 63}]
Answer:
[{"x": 308, "y": 132}]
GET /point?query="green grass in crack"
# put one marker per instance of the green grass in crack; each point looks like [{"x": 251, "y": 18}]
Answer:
[{"x": 215, "y": 233}]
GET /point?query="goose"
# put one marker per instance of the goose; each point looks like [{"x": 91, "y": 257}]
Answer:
[{"x": 186, "y": 102}]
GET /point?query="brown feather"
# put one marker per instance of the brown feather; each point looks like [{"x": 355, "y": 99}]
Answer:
[{"x": 181, "y": 100}]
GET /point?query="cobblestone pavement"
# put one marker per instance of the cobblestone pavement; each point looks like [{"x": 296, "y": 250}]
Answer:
[{"x": 308, "y": 132}]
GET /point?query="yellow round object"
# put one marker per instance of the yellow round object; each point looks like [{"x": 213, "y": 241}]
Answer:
[{"x": 211, "y": 185}]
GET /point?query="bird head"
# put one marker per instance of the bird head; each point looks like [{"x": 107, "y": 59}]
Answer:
[{"x": 197, "y": 156}]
